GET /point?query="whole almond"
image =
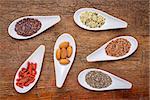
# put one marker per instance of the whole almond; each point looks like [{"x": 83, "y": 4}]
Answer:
[
  {"x": 64, "y": 61},
  {"x": 69, "y": 51},
  {"x": 63, "y": 53},
  {"x": 58, "y": 53},
  {"x": 64, "y": 45}
]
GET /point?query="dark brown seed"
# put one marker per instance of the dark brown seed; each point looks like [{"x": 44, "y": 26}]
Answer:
[{"x": 27, "y": 26}]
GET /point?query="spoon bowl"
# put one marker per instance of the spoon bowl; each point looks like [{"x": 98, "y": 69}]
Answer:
[
  {"x": 61, "y": 71},
  {"x": 117, "y": 82},
  {"x": 101, "y": 55},
  {"x": 110, "y": 21},
  {"x": 36, "y": 57},
  {"x": 46, "y": 21}
]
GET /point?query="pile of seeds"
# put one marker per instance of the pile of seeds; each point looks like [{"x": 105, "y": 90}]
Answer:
[
  {"x": 92, "y": 19},
  {"x": 118, "y": 47},
  {"x": 97, "y": 79},
  {"x": 27, "y": 26}
]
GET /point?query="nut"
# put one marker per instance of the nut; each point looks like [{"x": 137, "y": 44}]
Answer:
[
  {"x": 64, "y": 61},
  {"x": 58, "y": 53},
  {"x": 63, "y": 53},
  {"x": 69, "y": 51},
  {"x": 64, "y": 45}
]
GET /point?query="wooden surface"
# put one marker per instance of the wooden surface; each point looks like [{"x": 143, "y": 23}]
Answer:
[{"x": 14, "y": 52}]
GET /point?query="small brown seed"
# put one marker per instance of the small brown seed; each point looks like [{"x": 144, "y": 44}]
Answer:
[
  {"x": 63, "y": 53},
  {"x": 64, "y": 45},
  {"x": 64, "y": 61},
  {"x": 58, "y": 53},
  {"x": 69, "y": 51}
]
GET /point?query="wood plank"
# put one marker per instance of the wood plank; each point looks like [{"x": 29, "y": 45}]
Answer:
[{"x": 14, "y": 52}]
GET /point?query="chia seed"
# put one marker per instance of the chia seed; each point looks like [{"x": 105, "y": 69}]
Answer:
[{"x": 97, "y": 79}]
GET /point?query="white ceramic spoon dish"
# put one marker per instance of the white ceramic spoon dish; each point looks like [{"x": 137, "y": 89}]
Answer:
[
  {"x": 36, "y": 57},
  {"x": 117, "y": 82},
  {"x": 61, "y": 71},
  {"x": 110, "y": 21},
  {"x": 46, "y": 21},
  {"x": 100, "y": 54}
]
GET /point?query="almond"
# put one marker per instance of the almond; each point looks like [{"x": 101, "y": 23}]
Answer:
[
  {"x": 58, "y": 54},
  {"x": 64, "y": 45},
  {"x": 64, "y": 61},
  {"x": 63, "y": 53},
  {"x": 69, "y": 51}
]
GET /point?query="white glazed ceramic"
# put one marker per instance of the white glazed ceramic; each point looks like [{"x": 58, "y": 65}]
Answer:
[
  {"x": 61, "y": 71},
  {"x": 46, "y": 21},
  {"x": 110, "y": 21},
  {"x": 100, "y": 54},
  {"x": 36, "y": 57},
  {"x": 117, "y": 82}
]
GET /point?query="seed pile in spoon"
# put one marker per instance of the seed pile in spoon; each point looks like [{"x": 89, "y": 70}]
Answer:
[
  {"x": 92, "y": 19},
  {"x": 118, "y": 47},
  {"x": 97, "y": 79},
  {"x": 27, "y": 26}
]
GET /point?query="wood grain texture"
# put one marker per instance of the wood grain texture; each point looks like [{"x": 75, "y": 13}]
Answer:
[{"x": 14, "y": 52}]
